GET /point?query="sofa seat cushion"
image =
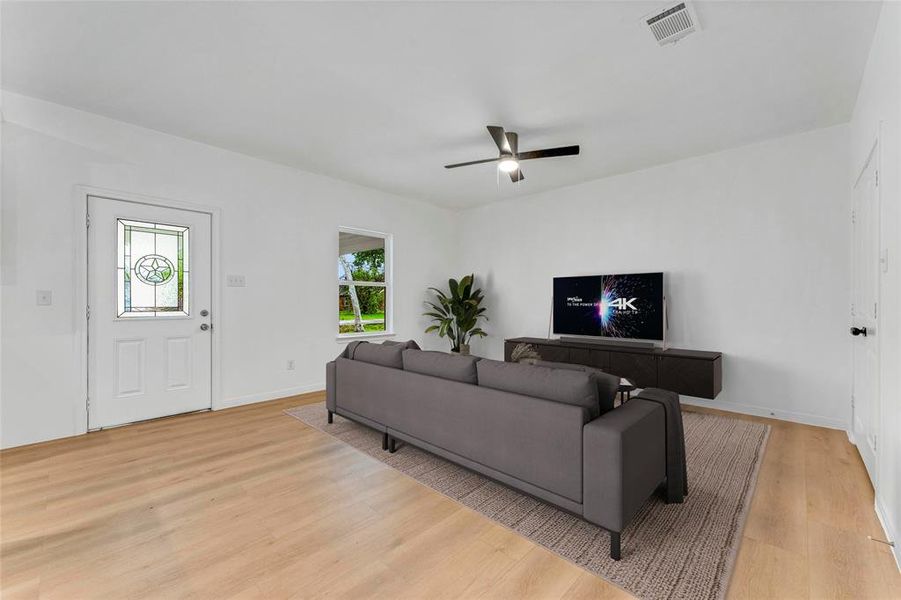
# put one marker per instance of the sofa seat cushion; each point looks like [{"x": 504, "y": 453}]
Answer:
[
  {"x": 607, "y": 384},
  {"x": 380, "y": 354},
  {"x": 559, "y": 385},
  {"x": 442, "y": 364}
]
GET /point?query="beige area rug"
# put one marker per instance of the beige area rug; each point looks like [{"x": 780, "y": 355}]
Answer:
[{"x": 669, "y": 550}]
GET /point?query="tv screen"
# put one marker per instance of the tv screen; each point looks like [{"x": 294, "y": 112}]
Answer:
[{"x": 616, "y": 306}]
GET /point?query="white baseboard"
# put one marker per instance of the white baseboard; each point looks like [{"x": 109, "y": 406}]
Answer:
[
  {"x": 890, "y": 535},
  {"x": 273, "y": 395},
  {"x": 771, "y": 413}
]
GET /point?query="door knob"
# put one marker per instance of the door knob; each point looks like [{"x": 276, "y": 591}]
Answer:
[
  {"x": 859, "y": 331},
  {"x": 204, "y": 327}
]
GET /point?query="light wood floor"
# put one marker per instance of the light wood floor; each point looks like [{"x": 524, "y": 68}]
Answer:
[{"x": 249, "y": 502}]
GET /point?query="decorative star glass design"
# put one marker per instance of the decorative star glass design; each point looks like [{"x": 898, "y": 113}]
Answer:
[{"x": 152, "y": 269}]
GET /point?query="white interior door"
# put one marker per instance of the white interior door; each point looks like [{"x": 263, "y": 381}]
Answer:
[
  {"x": 149, "y": 327},
  {"x": 864, "y": 316}
]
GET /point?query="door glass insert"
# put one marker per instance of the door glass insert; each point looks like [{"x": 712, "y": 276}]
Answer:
[{"x": 152, "y": 269}]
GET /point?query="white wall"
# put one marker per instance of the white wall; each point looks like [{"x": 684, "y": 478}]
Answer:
[
  {"x": 279, "y": 229},
  {"x": 755, "y": 245},
  {"x": 878, "y": 109}
]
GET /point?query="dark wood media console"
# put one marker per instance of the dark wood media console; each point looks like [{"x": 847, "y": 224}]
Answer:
[{"x": 688, "y": 372}]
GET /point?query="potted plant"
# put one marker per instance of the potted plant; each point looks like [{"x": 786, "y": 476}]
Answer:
[{"x": 456, "y": 314}]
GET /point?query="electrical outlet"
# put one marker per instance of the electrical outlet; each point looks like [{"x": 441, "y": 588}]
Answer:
[
  {"x": 290, "y": 365},
  {"x": 44, "y": 298}
]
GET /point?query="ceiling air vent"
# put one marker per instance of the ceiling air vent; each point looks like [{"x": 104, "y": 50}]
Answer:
[{"x": 673, "y": 23}]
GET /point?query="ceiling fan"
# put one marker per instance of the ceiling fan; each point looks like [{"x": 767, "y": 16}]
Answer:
[{"x": 510, "y": 156}]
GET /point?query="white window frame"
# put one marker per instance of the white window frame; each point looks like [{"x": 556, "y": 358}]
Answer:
[{"x": 388, "y": 283}]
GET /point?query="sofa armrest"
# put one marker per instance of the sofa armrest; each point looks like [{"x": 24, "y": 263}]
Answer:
[
  {"x": 331, "y": 381},
  {"x": 623, "y": 461}
]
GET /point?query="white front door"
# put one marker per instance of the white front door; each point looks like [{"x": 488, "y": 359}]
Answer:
[
  {"x": 864, "y": 315},
  {"x": 149, "y": 326}
]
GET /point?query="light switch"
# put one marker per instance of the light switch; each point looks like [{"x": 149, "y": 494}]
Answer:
[
  {"x": 234, "y": 281},
  {"x": 44, "y": 298}
]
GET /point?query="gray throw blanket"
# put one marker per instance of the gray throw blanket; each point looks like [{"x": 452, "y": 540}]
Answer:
[{"x": 676, "y": 472}]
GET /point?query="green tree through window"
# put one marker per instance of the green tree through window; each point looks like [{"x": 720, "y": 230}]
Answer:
[{"x": 362, "y": 288}]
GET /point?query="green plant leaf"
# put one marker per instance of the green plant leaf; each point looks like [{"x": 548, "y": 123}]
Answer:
[
  {"x": 456, "y": 314},
  {"x": 439, "y": 309}
]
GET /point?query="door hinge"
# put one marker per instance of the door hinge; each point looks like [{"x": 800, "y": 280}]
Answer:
[
  {"x": 87, "y": 312},
  {"x": 877, "y": 177},
  {"x": 87, "y": 220},
  {"x": 853, "y": 216}
]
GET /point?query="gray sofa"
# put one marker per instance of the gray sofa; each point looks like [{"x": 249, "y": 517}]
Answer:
[{"x": 550, "y": 432}]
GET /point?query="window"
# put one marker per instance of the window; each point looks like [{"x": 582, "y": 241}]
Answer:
[
  {"x": 364, "y": 270},
  {"x": 152, "y": 269}
]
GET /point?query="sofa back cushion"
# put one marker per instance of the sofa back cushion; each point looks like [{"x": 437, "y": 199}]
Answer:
[
  {"x": 380, "y": 354},
  {"x": 559, "y": 385},
  {"x": 442, "y": 364},
  {"x": 607, "y": 384}
]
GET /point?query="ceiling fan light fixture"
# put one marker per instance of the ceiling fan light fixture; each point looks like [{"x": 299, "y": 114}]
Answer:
[
  {"x": 508, "y": 165},
  {"x": 509, "y": 155}
]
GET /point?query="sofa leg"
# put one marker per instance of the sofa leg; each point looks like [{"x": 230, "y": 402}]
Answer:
[
  {"x": 614, "y": 545},
  {"x": 392, "y": 445},
  {"x": 385, "y": 441},
  {"x": 330, "y": 416}
]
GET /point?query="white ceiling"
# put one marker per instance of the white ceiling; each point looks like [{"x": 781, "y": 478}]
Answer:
[{"x": 385, "y": 94}]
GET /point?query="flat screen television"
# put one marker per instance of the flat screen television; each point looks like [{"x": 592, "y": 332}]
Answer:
[{"x": 615, "y": 306}]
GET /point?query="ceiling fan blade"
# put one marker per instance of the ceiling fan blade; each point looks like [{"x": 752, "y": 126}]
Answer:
[
  {"x": 472, "y": 162},
  {"x": 516, "y": 175},
  {"x": 497, "y": 134},
  {"x": 513, "y": 142},
  {"x": 549, "y": 152}
]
